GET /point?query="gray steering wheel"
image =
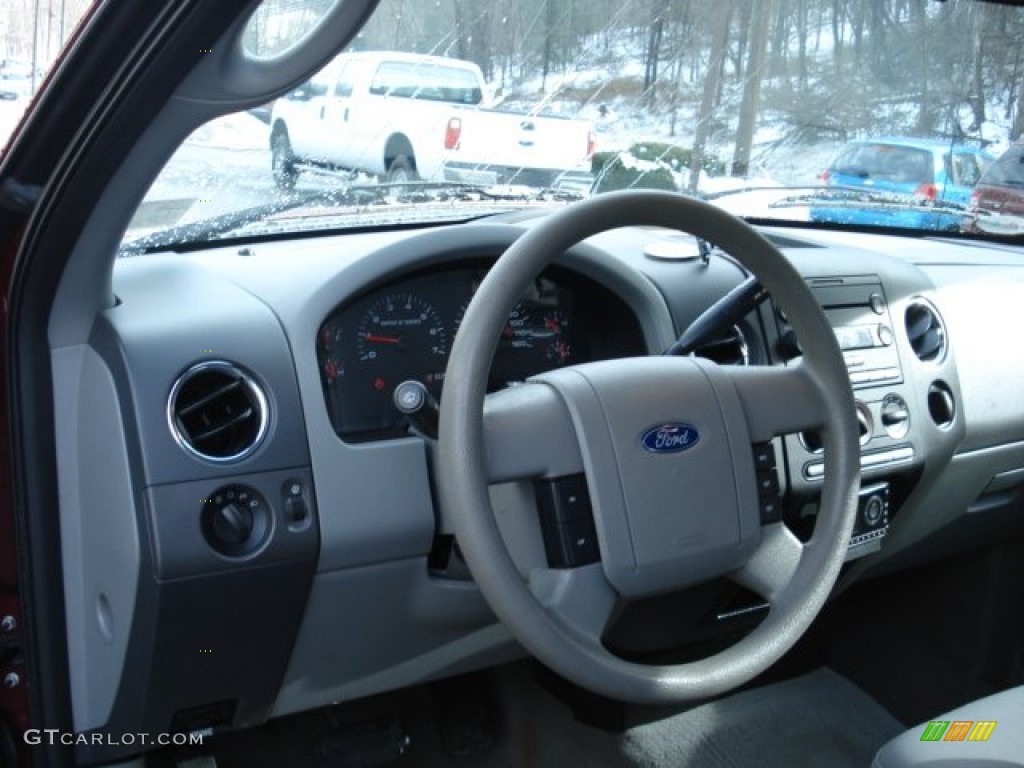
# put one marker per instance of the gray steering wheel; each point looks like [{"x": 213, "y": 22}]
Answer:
[{"x": 664, "y": 520}]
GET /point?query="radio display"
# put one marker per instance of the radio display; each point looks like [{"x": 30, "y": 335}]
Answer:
[{"x": 855, "y": 337}]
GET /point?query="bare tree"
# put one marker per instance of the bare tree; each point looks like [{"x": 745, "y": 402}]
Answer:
[
  {"x": 720, "y": 33},
  {"x": 754, "y": 73}
]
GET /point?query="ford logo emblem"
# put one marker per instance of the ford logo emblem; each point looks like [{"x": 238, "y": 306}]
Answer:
[{"x": 672, "y": 437}]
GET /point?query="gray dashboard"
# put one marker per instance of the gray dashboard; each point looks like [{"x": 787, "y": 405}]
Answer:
[{"x": 333, "y": 538}]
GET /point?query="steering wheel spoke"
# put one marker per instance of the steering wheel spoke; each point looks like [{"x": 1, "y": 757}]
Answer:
[
  {"x": 779, "y": 401},
  {"x": 528, "y": 433},
  {"x": 580, "y": 599},
  {"x": 770, "y": 569}
]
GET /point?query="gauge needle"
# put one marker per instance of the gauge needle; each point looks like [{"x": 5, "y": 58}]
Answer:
[{"x": 381, "y": 339}]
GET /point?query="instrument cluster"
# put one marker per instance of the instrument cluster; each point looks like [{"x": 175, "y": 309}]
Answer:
[{"x": 405, "y": 329}]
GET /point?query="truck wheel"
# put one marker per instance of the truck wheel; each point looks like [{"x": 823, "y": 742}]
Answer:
[
  {"x": 401, "y": 171},
  {"x": 282, "y": 161}
]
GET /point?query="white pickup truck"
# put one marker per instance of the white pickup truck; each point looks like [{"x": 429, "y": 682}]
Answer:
[{"x": 405, "y": 117}]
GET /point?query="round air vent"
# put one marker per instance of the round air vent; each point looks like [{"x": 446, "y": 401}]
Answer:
[
  {"x": 217, "y": 412},
  {"x": 925, "y": 330},
  {"x": 729, "y": 349}
]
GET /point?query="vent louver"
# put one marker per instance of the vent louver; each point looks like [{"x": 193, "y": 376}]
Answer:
[
  {"x": 925, "y": 331},
  {"x": 729, "y": 349},
  {"x": 217, "y": 412}
]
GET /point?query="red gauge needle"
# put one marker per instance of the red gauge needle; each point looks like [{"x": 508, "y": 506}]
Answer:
[{"x": 381, "y": 339}]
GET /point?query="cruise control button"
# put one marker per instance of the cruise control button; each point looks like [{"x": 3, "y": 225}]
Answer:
[
  {"x": 579, "y": 542},
  {"x": 767, "y": 483},
  {"x": 771, "y": 509},
  {"x": 764, "y": 456}
]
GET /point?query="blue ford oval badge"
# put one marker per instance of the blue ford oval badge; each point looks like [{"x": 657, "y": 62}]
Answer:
[{"x": 671, "y": 437}]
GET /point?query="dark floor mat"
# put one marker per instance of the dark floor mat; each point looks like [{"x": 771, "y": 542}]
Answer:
[{"x": 818, "y": 719}]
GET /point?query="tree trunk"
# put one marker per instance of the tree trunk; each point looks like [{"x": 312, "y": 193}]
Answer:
[
  {"x": 977, "y": 95},
  {"x": 1018, "y": 119},
  {"x": 723, "y": 12},
  {"x": 762, "y": 10},
  {"x": 925, "y": 114}
]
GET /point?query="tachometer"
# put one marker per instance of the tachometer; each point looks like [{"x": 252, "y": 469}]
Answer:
[
  {"x": 399, "y": 326},
  {"x": 402, "y": 336}
]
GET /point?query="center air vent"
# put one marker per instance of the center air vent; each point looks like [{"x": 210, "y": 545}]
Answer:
[
  {"x": 728, "y": 349},
  {"x": 925, "y": 331},
  {"x": 217, "y": 412}
]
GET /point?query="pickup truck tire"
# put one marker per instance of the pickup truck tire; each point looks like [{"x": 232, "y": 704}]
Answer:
[
  {"x": 401, "y": 170},
  {"x": 282, "y": 160}
]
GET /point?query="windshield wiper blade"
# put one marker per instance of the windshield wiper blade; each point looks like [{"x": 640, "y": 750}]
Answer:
[
  {"x": 204, "y": 230},
  {"x": 431, "y": 191},
  {"x": 837, "y": 196}
]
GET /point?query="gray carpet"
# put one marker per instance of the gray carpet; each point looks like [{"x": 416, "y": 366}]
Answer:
[{"x": 820, "y": 719}]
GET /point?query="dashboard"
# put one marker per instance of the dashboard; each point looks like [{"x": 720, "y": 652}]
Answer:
[{"x": 343, "y": 542}]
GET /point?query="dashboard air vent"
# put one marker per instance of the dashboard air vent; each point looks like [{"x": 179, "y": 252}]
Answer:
[
  {"x": 217, "y": 413},
  {"x": 728, "y": 349},
  {"x": 925, "y": 331}
]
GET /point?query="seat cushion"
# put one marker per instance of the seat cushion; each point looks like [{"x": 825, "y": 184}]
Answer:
[{"x": 986, "y": 732}]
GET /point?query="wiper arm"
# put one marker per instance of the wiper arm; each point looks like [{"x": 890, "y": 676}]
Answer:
[
  {"x": 431, "y": 191},
  {"x": 204, "y": 230},
  {"x": 208, "y": 229}
]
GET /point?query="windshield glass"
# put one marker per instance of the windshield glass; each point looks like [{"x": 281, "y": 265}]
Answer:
[{"x": 867, "y": 113}]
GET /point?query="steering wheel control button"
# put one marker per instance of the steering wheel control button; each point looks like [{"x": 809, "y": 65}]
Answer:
[
  {"x": 567, "y": 522},
  {"x": 767, "y": 483},
  {"x": 566, "y": 500},
  {"x": 769, "y": 498},
  {"x": 764, "y": 456},
  {"x": 771, "y": 509},
  {"x": 235, "y": 520},
  {"x": 581, "y": 542}
]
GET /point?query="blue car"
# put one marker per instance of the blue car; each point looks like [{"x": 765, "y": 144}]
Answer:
[{"x": 901, "y": 182}]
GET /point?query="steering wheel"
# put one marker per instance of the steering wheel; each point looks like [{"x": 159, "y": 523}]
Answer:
[{"x": 669, "y": 511}]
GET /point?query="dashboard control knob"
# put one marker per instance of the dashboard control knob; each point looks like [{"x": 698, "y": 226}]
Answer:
[
  {"x": 895, "y": 416},
  {"x": 235, "y": 520},
  {"x": 874, "y": 508},
  {"x": 232, "y": 524},
  {"x": 877, "y": 302}
]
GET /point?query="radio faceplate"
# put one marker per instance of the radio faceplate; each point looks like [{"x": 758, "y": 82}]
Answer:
[
  {"x": 872, "y": 522},
  {"x": 858, "y": 312}
]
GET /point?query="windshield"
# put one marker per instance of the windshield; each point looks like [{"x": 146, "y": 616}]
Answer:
[{"x": 864, "y": 113}]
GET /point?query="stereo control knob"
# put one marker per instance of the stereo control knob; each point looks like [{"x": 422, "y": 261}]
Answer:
[
  {"x": 874, "y": 509},
  {"x": 895, "y": 416}
]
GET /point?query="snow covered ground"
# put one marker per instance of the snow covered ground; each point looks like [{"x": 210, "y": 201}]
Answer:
[{"x": 10, "y": 114}]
